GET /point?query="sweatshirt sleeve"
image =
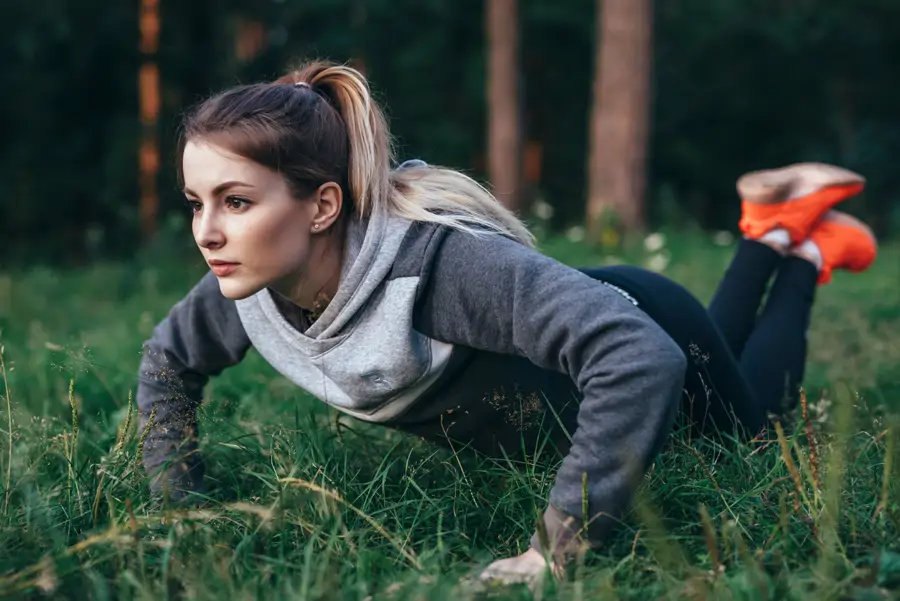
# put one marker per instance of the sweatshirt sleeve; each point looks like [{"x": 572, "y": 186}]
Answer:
[
  {"x": 495, "y": 294},
  {"x": 200, "y": 337}
]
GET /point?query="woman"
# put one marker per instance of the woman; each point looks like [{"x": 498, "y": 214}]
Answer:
[{"x": 411, "y": 298}]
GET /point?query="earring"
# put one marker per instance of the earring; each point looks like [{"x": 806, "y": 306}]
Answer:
[{"x": 316, "y": 226}]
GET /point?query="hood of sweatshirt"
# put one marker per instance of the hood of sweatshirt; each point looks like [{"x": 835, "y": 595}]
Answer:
[{"x": 362, "y": 355}]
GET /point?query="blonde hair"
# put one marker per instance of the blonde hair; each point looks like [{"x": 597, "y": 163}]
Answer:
[{"x": 283, "y": 126}]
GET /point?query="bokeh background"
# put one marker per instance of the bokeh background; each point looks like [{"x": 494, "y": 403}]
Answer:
[
  {"x": 616, "y": 128},
  {"x": 699, "y": 92}
]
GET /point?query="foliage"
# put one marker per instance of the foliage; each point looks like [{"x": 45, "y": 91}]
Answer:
[
  {"x": 307, "y": 504},
  {"x": 737, "y": 86}
]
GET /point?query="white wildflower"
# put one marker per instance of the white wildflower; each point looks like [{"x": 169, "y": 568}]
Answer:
[
  {"x": 723, "y": 238},
  {"x": 543, "y": 210},
  {"x": 575, "y": 233},
  {"x": 654, "y": 242},
  {"x": 657, "y": 262},
  {"x": 819, "y": 410}
]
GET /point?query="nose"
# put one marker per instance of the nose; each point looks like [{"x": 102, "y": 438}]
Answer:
[{"x": 207, "y": 231}]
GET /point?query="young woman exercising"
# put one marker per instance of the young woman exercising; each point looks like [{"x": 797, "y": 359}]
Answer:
[{"x": 411, "y": 298}]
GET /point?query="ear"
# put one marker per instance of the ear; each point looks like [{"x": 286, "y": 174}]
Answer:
[{"x": 328, "y": 201}]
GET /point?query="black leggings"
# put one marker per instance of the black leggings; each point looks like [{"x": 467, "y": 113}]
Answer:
[{"x": 742, "y": 364}]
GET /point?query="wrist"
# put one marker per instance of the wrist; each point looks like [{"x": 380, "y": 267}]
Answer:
[{"x": 562, "y": 537}]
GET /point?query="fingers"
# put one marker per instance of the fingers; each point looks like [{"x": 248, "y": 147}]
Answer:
[{"x": 529, "y": 568}]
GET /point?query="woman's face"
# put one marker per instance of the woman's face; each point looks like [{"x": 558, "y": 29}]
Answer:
[{"x": 251, "y": 231}]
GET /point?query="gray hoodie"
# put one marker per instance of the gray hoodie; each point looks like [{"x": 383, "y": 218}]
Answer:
[{"x": 450, "y": 336}]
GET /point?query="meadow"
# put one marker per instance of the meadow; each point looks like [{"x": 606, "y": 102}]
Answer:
[{"x": 307, "y": 504}]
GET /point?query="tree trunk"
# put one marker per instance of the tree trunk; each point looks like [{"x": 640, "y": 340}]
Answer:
[
  {"x": 358, "y": 18},
  {"x": 504, "y": 135},
  {"x": 620, "y": 116},
  {"x": 149, "y": 96}
]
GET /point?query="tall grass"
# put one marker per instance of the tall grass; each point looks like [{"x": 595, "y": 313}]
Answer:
[{"x": 307, "y": 504}]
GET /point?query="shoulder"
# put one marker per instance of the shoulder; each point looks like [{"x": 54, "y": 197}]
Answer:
[
  {"x": 427, "y": 242},
  {"x": 203, "y": 317},
  {"x": 492, "y": 259},
  {"x": 489, "y": 274},
  {"x": 420, "y": 244}
]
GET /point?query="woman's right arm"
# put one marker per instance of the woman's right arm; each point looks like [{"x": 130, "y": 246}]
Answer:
[{"x": 200, "y": 337}]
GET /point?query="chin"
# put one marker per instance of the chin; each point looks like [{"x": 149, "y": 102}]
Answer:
[{"x": 234, "y": 290}]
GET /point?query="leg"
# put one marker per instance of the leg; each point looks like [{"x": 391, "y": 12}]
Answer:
[
  {"x": 779, "y": 206},
  {"x": 735, "y": 305},
  {"x": 717, "y": 396},
  {"x": 775, "y": 355}
]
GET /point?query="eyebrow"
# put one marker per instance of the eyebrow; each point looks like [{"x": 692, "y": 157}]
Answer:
[{"x": 220, "y": 188}]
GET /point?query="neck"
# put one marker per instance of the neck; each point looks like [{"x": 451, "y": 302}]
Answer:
[{"x": 314, "y": 288}]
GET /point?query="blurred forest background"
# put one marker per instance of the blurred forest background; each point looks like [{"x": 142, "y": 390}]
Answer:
[{"x": 651, "y": 109}]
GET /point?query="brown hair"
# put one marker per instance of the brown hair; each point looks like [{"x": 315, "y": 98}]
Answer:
[{"x": 320, "y": 124}]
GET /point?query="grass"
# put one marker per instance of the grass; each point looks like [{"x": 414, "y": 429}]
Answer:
[{"x": 305, "y": 504}]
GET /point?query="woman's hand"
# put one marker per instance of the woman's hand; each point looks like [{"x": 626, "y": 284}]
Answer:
[{"x": 529, "y": 567}]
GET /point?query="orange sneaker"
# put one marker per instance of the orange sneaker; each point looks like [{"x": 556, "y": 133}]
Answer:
[
  {"x": 844, "y": 242},
  {"x": 793, "y": 197}
]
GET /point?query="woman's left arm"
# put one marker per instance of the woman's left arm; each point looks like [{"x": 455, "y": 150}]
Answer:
[{"x": 494, "y": 294}]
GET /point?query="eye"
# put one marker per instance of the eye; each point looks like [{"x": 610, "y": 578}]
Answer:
[
  {"x": 237, "y": 203},
  {"x": 193, "y": 205}
]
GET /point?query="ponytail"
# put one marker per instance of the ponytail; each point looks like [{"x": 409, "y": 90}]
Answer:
[{"x": 427, "y": 193}]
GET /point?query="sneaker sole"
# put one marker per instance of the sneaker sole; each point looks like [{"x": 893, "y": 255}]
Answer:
[{"x": 773, "y": 186}]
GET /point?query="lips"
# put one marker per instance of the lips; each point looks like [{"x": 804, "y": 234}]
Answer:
[{"x": 222, "y": 268}]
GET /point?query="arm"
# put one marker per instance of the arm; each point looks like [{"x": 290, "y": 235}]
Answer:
[
  {"x": 500, "y": 296},
  {"x": 200, "y": 337}
]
